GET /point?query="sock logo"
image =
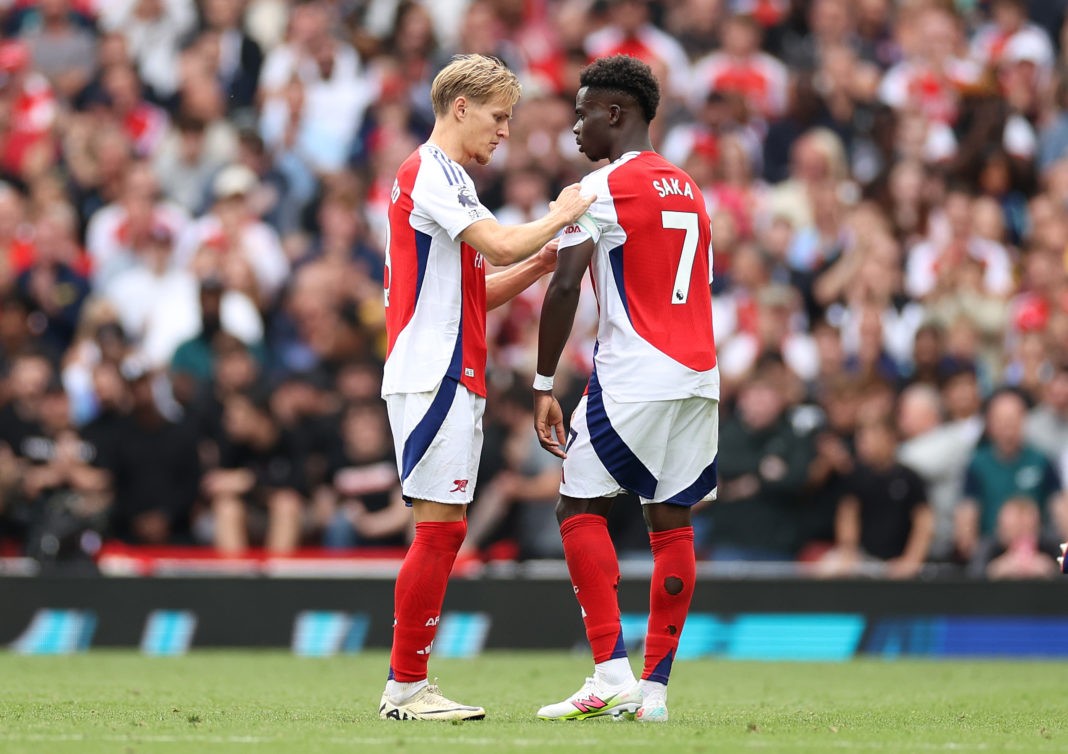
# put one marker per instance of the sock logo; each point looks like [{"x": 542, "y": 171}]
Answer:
[
  {"x": 425, "y": 650},
  {"x": 433, "y": 621},
  {"x": 461, "y": 485}
]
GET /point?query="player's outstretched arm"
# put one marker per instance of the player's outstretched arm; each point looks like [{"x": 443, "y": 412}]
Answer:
[
  {"x": 506, "y": 244},
  {"x": 505, "y": 285},
  {"x": 557, "y": 317}
]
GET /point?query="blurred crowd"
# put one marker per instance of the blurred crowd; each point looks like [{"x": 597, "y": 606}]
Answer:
[{"x": 192, "y": 221}]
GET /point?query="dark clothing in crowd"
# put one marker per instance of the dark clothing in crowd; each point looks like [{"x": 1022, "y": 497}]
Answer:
[
  {"x": 888, "y": 499},
  {"x": 275, "y": 468},
  {"x": 156, "y": 468},
  {"x": 771, "y": 464}
]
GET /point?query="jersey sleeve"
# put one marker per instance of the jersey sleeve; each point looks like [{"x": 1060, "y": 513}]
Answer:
[
  {"x": 592, "y": 223},
  {"x": 444, "y": 194}
]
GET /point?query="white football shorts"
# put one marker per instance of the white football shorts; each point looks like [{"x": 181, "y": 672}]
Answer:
[
  {"x": 438, "y": 441},
  {"x": 662, "y": 451}
]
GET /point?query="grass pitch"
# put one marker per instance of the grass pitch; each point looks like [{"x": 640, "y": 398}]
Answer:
[{"x": 268, "y": 702}]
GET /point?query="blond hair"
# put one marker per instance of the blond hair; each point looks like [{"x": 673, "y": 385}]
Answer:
[{"x": 477, "y": 77}]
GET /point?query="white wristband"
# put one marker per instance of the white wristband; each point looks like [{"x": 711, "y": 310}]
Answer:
[{"x": 543, "y": 383}]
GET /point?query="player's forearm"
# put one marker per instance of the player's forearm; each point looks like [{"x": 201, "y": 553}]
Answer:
[
  {"x": 557, "y": 317},
  {"x": 503, "y": 286},
  {"x": 503, "y": 245}
]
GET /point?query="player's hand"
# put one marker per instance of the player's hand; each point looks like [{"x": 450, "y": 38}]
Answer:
[
  {"x": 570, "y": 204},
  {"x": 547, "y": 256},
  {"x": 549, "y": 419}
]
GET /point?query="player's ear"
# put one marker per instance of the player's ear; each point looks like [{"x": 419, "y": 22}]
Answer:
[
  {"x": 459, "y": 107},
  {"x": 614, "y": 113}
]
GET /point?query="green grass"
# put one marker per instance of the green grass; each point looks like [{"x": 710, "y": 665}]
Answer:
[{"x": 222, "y": 702}]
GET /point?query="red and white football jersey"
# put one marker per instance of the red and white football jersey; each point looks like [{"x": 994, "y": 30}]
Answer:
[
  {"x": 760, "y": 78},
  {"x": 650, "y": 45},
  {"x": 435, "y": 285},
  {"x": 651, "y": 272}
]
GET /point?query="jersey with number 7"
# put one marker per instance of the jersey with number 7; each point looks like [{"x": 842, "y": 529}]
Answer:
[{"x": 651, "y": 271}]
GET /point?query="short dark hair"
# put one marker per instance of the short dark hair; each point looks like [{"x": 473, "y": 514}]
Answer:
[{"x": 622, "y": 73}]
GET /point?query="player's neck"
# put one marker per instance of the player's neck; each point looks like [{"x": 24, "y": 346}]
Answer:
[
  {"x": 448, "y": 141},
  {"x": 636, "y": 143}
]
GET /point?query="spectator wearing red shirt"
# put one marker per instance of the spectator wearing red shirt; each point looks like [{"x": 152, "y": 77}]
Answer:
[
  {"x": 742, "y": 68},
  {"x": 28, "y": 109}
]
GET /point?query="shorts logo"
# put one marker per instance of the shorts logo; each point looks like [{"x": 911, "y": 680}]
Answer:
[{"x": 461, "y": 485}]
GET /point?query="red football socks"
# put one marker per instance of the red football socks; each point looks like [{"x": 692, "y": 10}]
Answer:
[
  {"x": 674, "y": 572},
  {"x": 594, "y": 569},
  {"x": 419, "y": 594}
]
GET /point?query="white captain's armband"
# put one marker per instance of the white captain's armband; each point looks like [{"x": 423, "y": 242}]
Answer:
[
  {"x": 581, "y": 228},
  {"x": 588, "y": 224}
]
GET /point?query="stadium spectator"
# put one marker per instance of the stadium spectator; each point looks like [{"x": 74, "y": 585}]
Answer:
[
  {"x": 883, "y": 515},
  {"x": 1004, "y": 467},
  {"x": 191, "y": 153},
  {"x": 124, "y": 102},
  {"x": 154, "y": 466},
  {"x": 61, "y": 49},
  {"x": 629, "y": 31},
  {"x": 938, "y": 263},
  {"x": 740, "y": 67},
  {"x": 833, "y": 425},
  {"x": 57, "y": 494},
  {"x": 1016, "y": 549},
  {"x": 939, "y": 452},
  {"x": 220, "y": 311},
  {"x": 931, "y": 77},
  {"x": 231, "y": 242},
  {"x": 362, "y": 503},
  {"x": 52, "y": 284},
  {"x": 99, "y": 339},
  {"x": 1047, "y": 423},
  {"x": 118, "y": 231},
  {"x": 316, "y": 95},
  {"x": 762, "y": 473},
  {"x": 153, "y": 30},
  {"x": 307, "y": 408},
  {"x": 30, "y": 110},
  {"x": 257, "y": 492},
  {"x": 239, "y": 55}
]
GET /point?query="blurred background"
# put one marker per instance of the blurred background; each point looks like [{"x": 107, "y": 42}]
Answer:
[{"x": 192, "y": 218}]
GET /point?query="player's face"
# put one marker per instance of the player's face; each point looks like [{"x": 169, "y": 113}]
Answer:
[
  {"x": 591, "y": 126},
  {"x": 485, "y": 127}
]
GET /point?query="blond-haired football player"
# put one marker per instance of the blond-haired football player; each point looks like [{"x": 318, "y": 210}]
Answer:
[{"x": 436, "y": 296}]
